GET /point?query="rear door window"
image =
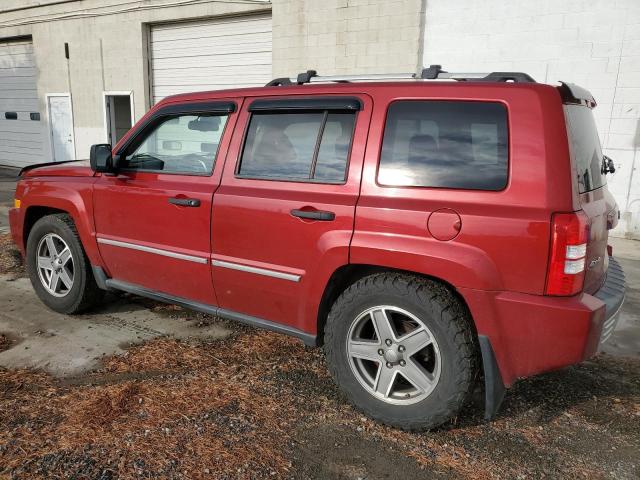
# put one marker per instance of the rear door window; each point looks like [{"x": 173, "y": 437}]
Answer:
[
  {"x": 445, "y": 144},
  {"x": 586, "y": 151},
  {"x": 311, "y": 146}
]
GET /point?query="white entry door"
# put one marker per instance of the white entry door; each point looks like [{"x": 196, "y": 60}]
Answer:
[{"x": 61, "y": 125}]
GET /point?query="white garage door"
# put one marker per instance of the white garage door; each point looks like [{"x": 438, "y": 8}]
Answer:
[
  {"x": 22, "y": 132},
  {"x": 210, "y": 55}
]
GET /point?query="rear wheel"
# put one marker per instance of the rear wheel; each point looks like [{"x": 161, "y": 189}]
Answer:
[
  {"x": 58, "y": 266},
  {"x": 402, "y": 349}
]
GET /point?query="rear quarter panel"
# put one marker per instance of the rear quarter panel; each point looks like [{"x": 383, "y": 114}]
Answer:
[{"x": 503, "y": 243}]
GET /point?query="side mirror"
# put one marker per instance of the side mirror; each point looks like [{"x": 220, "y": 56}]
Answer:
[{"x": 100, "y": 158}]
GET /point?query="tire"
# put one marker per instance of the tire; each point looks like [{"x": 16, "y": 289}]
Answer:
[
  {"x": 83, "y": 292},
  {"x": 439, "y": 318}
]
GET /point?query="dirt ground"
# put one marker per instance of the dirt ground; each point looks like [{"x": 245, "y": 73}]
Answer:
[{"x": 260, "y": 405}]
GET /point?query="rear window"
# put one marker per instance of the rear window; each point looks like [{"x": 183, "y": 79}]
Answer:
[
  {"x": 586, "y": 152},
  {"x": 447, "y": 144}
]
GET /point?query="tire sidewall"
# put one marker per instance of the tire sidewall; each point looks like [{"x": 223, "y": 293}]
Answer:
[
  {"x": 339, "y": 361},
  {"x": 42, "y": 227}
]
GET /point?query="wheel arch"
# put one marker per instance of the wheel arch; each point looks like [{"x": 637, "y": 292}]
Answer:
[
  {"x": 347, "y": 275},
  {"x": 34, "y": 213},
  {"x": 74, "y": 198}
]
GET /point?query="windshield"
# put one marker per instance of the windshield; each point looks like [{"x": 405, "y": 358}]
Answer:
[{"x": 586, "y": 151}]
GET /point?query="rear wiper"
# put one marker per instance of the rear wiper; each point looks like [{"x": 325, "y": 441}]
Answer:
[{"x": 607, "y": 165}]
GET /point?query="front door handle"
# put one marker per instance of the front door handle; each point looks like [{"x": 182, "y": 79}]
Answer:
[
  {"x": 314, "y": 215},
  {"x": 185, "y": 202}
]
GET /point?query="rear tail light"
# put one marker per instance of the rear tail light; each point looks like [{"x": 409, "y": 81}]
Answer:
[{"x": 569, "y": 237}]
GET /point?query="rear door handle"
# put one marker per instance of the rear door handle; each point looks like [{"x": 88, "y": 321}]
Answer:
[
  {"x": 314, "y": 215},
  {"x": 185, "y": 202}
]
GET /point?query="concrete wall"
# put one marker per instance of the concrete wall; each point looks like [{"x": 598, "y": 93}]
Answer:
[
  {"x": 108, "y": 51},
  {"x": 346, "y": 36},
  {"x": 593, "y": 43}
]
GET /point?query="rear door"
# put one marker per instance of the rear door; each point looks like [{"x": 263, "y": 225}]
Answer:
[
  {"x": 153, "y": 219},
  {"x": 595, "y": 199},
  {"x": 283, "y": 215}
]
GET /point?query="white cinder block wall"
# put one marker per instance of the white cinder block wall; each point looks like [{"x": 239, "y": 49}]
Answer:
[{"x": 594, "y": 43}]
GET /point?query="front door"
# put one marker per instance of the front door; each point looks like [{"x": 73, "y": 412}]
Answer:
[
  {"x": 61, "y": 127},
  {"x": 283, "y": 215},
  {"x": 153, "y": 219}
]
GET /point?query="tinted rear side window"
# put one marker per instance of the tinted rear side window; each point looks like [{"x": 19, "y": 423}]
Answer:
[
  {"x": 449, "y": 144},
  {"x": 586, "y": 151}
]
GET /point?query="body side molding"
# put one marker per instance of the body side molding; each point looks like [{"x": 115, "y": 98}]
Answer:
[
  {"x": 157, "y": 251},
  {"x": 259, "y": 271}
]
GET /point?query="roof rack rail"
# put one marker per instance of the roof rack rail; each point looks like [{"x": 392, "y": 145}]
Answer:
[{"x": 433, "y": 72}]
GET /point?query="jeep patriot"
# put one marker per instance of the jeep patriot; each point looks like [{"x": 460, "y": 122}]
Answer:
[{"x": 427, "y": 230}]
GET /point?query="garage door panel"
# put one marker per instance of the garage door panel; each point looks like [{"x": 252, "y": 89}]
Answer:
[
  {"x": 209, "y": 55},
  {"x": 16, "y": 61},
  {"x": 197, "y": 81},
  {"x": 15, "y": 83},
  {"x": 236, "y": 60},
  {"x": 22, "y": 141},
  {"x": 19, "y": 73},
  {"x": 18, "y": 104},
  {"x": 162, "y": 92},
  {"x": 13, "y": 90},
  {"x": 213, "y": 50},
  {"x": 167, "y": 48},
  {"x": 21, "y": 145},
  {"x": 211, "y": 28},
  {"x": 29, "y": 127}
]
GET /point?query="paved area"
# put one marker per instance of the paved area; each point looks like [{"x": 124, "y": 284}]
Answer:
[
  {"x": 626, "y": 339},
  {"x": 69, "y": 345}
]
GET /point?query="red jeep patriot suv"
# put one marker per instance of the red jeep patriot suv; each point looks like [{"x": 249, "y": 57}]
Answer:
[{"x": 424, "y": 230}]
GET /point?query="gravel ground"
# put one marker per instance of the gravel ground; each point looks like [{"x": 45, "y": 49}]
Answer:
[{"x": 260, "y": 405}]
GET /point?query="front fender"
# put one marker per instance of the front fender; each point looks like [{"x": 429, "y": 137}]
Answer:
[{"x": 74, "y": 196}]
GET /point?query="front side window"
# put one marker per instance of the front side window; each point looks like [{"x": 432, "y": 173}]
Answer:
[
  {"x": 183, "y": 144},
  {"x": 446, "y": 144},
  {"x": 309, "y": 146}
]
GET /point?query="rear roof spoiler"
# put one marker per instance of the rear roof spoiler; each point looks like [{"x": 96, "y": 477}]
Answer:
[{"x": 576, "y": 95}]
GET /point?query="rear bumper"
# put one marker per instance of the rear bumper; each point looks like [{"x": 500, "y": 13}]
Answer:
[
  {"x": 612, "y": 295},
  {"x": 531, "y": 334}
]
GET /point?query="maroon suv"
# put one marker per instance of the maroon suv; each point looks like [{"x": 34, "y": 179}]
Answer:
[{"x": 423, "y": 229}]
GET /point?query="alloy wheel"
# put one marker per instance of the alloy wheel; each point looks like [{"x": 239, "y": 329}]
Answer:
[
  {"x": 55, "y": 265},
  {"x": 393, "y": 355}
]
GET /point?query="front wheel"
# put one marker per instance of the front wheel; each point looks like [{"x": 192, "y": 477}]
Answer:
[
  {"x": 58, "y": 266},
  {"x": 402, "y": 349}
]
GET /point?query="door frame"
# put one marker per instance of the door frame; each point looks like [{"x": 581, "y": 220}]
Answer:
[
  {"x": 49, "y": 125},
  {"x": 120, "y": 93}
]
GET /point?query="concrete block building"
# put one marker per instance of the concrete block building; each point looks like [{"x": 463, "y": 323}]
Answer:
[{"x": 78, "y": 72}]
